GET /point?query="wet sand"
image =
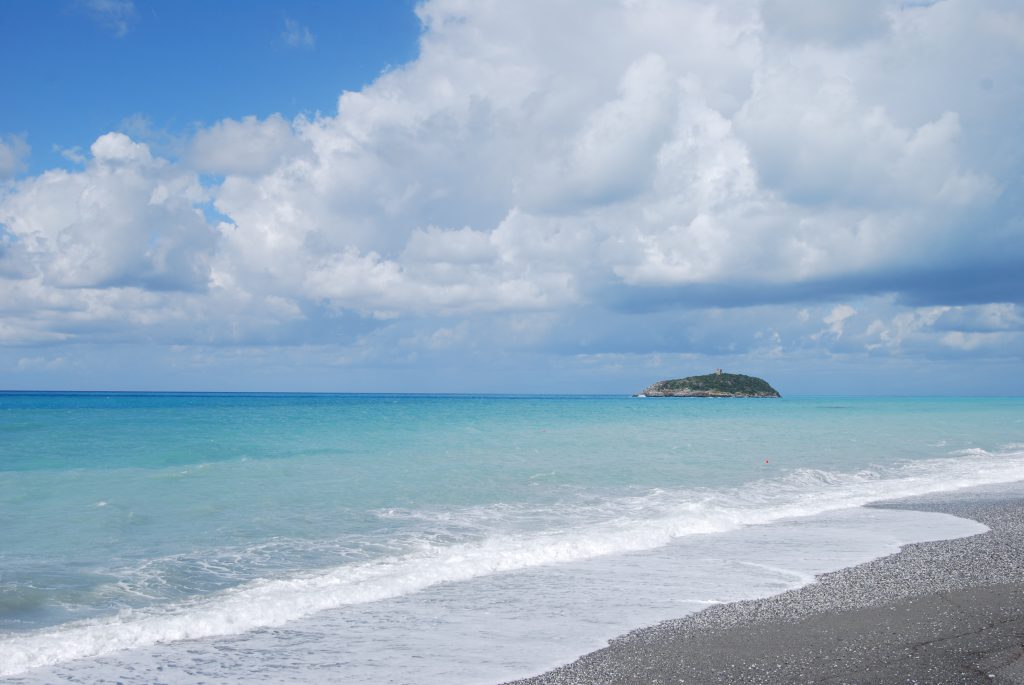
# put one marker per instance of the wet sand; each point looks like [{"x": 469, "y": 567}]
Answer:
[{"x": 950, "y": 611}]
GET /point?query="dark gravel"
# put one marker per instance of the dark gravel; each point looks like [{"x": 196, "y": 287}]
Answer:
[{"x": 941, "y": 612}]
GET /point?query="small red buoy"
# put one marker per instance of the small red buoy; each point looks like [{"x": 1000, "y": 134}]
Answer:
[{"x": 766, "y": 461}]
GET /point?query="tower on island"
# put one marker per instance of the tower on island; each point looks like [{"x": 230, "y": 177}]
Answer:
[{"x": 715, "y": 384}]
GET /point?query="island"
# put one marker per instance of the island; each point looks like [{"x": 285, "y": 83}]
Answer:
[{"x": 717, "y": 384}]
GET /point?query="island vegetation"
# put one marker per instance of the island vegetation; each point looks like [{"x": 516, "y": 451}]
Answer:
[{"x": 717, "y": 384}]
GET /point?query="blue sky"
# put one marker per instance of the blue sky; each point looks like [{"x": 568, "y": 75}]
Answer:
[
  {"x": 573, "y": 196},
  {"x": 171, "y": 66}
]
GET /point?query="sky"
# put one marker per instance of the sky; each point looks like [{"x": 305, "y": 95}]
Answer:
[{"x": 571, "y": 196}]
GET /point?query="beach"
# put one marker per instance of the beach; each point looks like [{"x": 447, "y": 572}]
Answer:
[{"x": 948, "y": 611}]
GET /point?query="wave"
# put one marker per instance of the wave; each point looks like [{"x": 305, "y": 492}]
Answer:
[{"x": 601, "y": 527}]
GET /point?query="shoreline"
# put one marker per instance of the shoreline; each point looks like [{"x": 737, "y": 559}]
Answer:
[{"x": 947, "y": 611}]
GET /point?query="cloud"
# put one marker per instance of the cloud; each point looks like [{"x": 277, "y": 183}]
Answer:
[
  {"x": 127, "y": 219},
  {"x": 988, "y": 318},
  {"x": 72, "y": 154},
  {"x": 837, "y": 318},
  {"x": 994, "y": 330},
  {"x": 613, "y": 154},
  {"x": 296, "y": 35},
  {"x": 13, "y": 152},
  {"x": 840, "y": 22},
  {"x": 115, "y": 15},
  {"x": 721, "y": 177},
  {"x": 244, "y": 147},
  {"x": 970, "y": 342},
  {"x": 27, "y": 363}
]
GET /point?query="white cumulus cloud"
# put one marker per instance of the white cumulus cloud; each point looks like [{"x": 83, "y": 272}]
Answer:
[
  {"x": 126, "y": 219},
  {"x": 244, "y": 147},
  {"x": 540, "y": 160}
]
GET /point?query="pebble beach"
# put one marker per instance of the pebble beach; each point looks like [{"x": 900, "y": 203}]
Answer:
[{"x": 949, "y": 611}]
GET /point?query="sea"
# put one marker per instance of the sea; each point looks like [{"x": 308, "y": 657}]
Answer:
[{"x": 320, "y": 538}]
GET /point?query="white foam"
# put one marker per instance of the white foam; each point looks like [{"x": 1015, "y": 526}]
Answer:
[{"x": 614, "y": 526}]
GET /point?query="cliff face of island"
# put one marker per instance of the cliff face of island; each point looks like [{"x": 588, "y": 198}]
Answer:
[{"x": 716, "y": 384}]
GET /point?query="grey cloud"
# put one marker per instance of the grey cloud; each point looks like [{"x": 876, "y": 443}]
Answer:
[
  {"x": 837, "y": 22},
  {"x": 979, "y": 283},
  {"x": 987, "y": 318}
]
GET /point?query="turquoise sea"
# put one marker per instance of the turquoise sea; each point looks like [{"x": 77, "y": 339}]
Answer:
[{"x": 435, "y": 538}]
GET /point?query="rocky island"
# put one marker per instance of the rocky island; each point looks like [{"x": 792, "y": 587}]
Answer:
[{"x": 715, "y": 384}]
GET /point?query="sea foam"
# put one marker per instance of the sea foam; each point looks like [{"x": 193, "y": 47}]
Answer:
[{"x": 603, "y": 527}]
